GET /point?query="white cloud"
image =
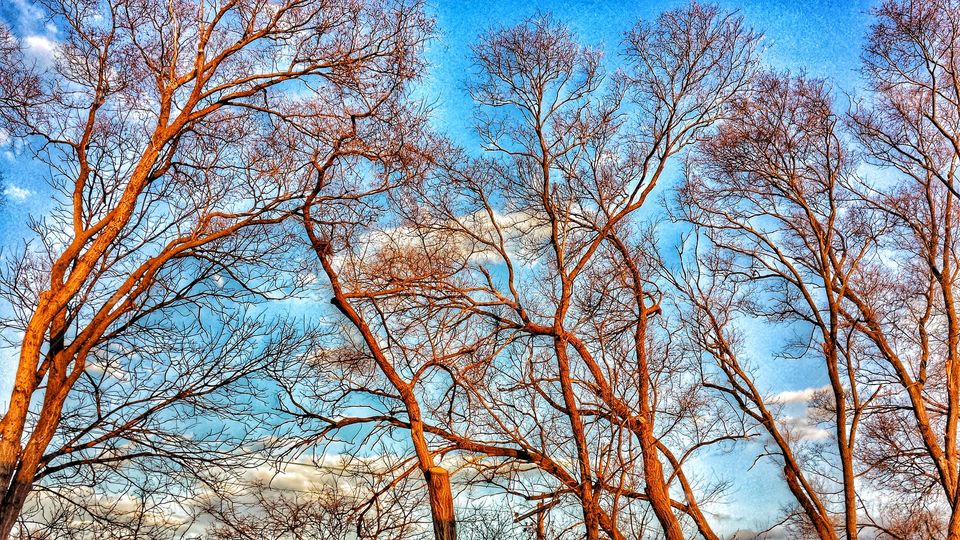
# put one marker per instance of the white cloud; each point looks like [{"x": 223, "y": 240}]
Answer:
[
  {"x": 801, "y": 428},
  {"x": 520, "y": 230},
  {"x": 40, "y": 47},
  {"x": 798, "y": 423},
  {"x": 17, "y": 193},
  {"x": 796, "y": 397},
  {"x": 98, "y": 368}
]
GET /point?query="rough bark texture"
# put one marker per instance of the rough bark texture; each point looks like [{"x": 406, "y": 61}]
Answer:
[{"x": 441, "y": 503}]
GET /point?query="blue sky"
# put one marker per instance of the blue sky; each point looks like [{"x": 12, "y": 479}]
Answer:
[{"x": 820, "y": 38}]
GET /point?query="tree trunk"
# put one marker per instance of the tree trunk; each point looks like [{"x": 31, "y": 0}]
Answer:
[
  {"x": 541, "y": 525},
  {"x": 441, "y": 503},
  {"x": 657, "y": 491},
  {"x": 12, "y": 505}
]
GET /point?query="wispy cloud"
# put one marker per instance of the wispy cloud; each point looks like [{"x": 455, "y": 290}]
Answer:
[
  {"x": 17, "y": 193},
  {"x": 803, "y": 429},
  {"x": 41, "y": 48},
  {"x": 797, "y": 397}
]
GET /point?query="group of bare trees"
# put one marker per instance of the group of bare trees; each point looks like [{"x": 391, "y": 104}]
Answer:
[
  {"x": 261, "y": 257},
  {"x": 180, "y": 137}
]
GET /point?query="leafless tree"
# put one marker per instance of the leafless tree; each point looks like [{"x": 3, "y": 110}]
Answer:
[
  {"x": 507, "y": 325},
  {"x": 769, "y": 197},
  {"x": 369, "y": 285},
  {"x": 909, "y": 128},
  {"x": 548, "y": 363},
  {"x": 173, "y": 133},
  {"x": 794, "y": 228},
  {"x": 134, "y": 517}
]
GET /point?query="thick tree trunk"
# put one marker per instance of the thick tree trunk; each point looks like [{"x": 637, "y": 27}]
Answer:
[
  {"x": 541, "y": 532},
  {"x": 953, "y": 527},
  {"x": 13, "y": 502},
  {"x": 659, "y": 495},
  {"x": 19, "y": 470},
  {"x": 591, "y": 521},
  {"x": 441, "y": 503},
  {"x": 656, "y": 488}
]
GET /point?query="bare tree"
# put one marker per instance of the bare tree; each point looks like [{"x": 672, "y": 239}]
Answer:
[
  {"x": 168, "y": 129},
  {"x": 368, "y": 286},
  {"x": 559, "y": 376},
  {"x": 165, "y": 417},
  {"x": 768, "y": 196},
  {"x": 135, "y": 516},
  {"x": 504, "y": 325},
  {"x": 909, "y": 128},
  {"x": 862, "y": 255}
]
